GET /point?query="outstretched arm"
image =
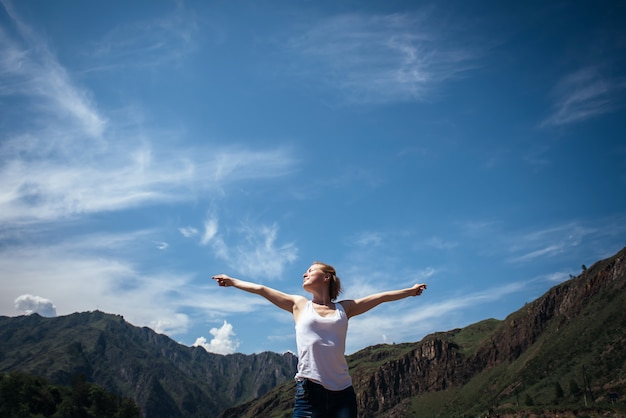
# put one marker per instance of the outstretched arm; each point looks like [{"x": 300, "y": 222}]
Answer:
[
  {"x": 280, "y": 299},
  {"x": 359, "y": 306}
]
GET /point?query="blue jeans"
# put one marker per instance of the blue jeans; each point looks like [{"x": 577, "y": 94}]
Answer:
[{"x": 315, "y": 401}]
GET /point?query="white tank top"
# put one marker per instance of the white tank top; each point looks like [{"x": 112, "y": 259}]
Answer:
[{"x": 321, "y": 347}]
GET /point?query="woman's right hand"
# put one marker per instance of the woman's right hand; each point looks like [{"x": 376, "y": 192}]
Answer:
[{"x": 224, "y": 280}]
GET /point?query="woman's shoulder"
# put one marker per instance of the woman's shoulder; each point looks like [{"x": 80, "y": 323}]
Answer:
[
  {"x": 347, "y": 305},
  {"x": 299, "y": 301}
]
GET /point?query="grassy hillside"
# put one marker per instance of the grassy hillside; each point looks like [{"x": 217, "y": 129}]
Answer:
[{"x": 577, "y": 365}]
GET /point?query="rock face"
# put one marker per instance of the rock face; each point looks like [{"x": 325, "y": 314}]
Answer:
[
  {"x": 576, "y": 332},
  {"x": 165, "y": 378},
  {"x": 431, "y": 366}
]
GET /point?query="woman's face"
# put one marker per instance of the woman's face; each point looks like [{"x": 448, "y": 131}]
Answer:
[{"x": 314, "y": 276}]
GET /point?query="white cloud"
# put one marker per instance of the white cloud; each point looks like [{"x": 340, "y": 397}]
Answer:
[
  {"x": 369, "y": 238},
  {"x": 253, "y": 251},
  {"x": 65, "y": 156},
  {"x": 188, "y": 232},
  {"x": 235, "y": 163},
  {"x": 149, "y": 43},
  {"x": 172, "y": 324},
  {"x": 582, "y": 95},
  {"x": 548, "y": 251},
  {"x": 426, "y": 273},
  {"x": 32, "y": 70},
  {"x": 259, "y": 256},
  {"x": 382, "y": 58},
  {"x": 61, "y": 163},
  {"x": 223, "y": 342},
  {"x": 210, "y": 229},
  {"x": 549, "y": 242},
  {"x": 161, "y": 245},
  {"x": 29, "y": 304}
]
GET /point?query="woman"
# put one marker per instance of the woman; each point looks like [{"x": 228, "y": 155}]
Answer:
[{"x": 324, "y": 386}]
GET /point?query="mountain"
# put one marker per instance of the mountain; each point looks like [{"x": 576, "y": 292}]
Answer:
[
  {"x": 564, "y": 354},
  {"x": 166, "y": 379}
]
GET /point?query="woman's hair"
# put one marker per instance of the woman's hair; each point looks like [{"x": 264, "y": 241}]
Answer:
[{"x": 334, "y": 284}]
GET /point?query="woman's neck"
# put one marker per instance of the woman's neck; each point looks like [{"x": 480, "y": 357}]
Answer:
[
  {"x": 320, "y": 297},
  {"x": 321, "y": 301}
]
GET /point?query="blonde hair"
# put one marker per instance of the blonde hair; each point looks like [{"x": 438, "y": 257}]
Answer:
[{"x": 334, "y": 284}]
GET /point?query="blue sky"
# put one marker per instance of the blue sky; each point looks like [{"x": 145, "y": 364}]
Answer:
[{"x": 147, "y": 145}]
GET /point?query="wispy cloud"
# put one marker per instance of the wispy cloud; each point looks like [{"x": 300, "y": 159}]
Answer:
[
  {"x": 591, "y": 240},
  {"x": 251, "y": 250},
  {"x": 549, "y": 242},
  {"x": 415, "y": 316},
  {"x": 230, "y": 164},
  {"x": 258, "y": 254},
  {"x": 45, "y": 190},
  {"x": 188, "y": 231},
  {"x": 369, "y": 238},
  {"x": 28, "y": 68},
  {"x": 97, "y": 271},
  {"x": 67, "y": 158},
  {"x": 548, "y": 251},
  {"x": 441, "y": 243},
  {"x": 161, "y": 245},
  {"x": 582, "y": 95},
  {"x": 148, "y": 43},
  {"x": 380, "y": 58},
  {"x": 49, "y": 168},
  {"x": 210, "y": 229}
]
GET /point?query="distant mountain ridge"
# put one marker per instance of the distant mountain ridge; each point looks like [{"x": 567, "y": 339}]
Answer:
[
  {"x": 165, "y": 378},
  {"x": 562, "y": 353}
]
